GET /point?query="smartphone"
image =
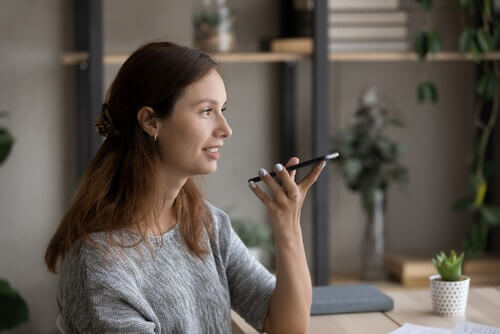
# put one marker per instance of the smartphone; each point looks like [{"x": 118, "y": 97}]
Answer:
[{"x": 328, "y": 156}]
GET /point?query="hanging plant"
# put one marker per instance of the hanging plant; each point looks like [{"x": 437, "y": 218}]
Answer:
[{"x": 476, "y": 40}]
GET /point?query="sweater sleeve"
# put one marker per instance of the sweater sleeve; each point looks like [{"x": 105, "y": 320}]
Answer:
[
  {"x": 100, "y": 299},
  {"x": 250, "y": 283}
]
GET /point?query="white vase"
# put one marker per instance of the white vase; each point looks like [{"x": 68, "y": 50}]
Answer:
[
  {"x": 372, "y": 246},
  {"x": 449, "y": 298}
]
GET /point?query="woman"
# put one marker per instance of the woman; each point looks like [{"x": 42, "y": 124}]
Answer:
[{"x": 140, "y": 250}]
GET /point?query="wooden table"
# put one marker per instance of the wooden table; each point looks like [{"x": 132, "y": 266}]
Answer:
[{"x": 413, "y": 306}]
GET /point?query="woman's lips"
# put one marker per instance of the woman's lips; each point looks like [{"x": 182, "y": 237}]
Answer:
[{"x": 212, "y": 155}]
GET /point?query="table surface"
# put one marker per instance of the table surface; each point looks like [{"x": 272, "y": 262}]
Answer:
[{"x": 413, "y": 306}]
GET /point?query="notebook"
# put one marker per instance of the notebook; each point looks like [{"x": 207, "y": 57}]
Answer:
[{"x": 335, "y": 299}]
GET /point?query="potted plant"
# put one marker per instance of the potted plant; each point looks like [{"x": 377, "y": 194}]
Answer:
[
  {"x": 449, "y": 288},
  {"x": 369, "y": 161},
  {"x": 257, "y": 238},
  {"x": 13, "y": 308},
  {"x": 214, "y": 27}
]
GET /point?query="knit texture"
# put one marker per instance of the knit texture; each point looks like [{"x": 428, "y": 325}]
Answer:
[{"x": 174, "y": 292}]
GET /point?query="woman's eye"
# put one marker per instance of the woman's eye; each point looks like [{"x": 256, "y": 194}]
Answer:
[
  {"x": 223, "y": 109},
  {"x": 207, "y": 111}
]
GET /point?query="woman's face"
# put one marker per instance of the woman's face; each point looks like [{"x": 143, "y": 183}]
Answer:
[{"x": 190, "y": 139}]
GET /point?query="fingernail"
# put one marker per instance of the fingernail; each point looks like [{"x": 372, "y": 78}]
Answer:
[
  {"x": 278, "y": 167},
  {"x": 262, "y": 172},
  {"x": 252, "y": 184},
  {"x": 323, "y": 164}
]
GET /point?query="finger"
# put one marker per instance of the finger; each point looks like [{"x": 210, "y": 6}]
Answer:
[
  {"x": 264, "y": 198},
  {"x": 310, "y": 178},
  {"x": 289, "y": 185},
  {"x": 276, "y": 189},
  {"x": 291, "y": 162}
]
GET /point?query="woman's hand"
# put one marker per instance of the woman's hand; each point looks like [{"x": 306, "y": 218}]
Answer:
[{"x": 286, "y": 202}]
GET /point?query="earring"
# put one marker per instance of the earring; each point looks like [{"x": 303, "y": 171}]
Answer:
[{"x": 155, "y": 137}]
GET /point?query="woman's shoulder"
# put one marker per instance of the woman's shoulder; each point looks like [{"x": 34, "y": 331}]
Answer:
[
  {"x": 96, "y": 253},
  {"x": 221, "y": 219},
  {"x": 221, "y": 223}
]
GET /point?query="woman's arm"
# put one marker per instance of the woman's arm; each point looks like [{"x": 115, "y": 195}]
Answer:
[{"x": 290, "y": 303}]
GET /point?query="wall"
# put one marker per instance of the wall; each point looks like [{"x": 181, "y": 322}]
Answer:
[{"x": 37, "y": 181}]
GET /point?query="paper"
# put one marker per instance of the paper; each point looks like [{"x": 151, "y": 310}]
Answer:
[
  {"x": 466, "y": 327},
  {"x": 415, "y": 329},
  {"x": 462, "y": 327}
]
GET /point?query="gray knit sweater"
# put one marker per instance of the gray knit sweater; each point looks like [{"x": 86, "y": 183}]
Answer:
[{"x": 174, "y": 292}]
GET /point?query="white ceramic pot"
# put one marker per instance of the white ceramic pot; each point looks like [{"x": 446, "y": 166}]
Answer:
[{"x": 449, "y": 298}]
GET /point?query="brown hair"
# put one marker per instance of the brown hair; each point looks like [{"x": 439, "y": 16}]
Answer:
[{"x": 118, "y": 188}]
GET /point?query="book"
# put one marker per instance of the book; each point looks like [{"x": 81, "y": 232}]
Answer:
[
  {"x": 365, "y": 33},
  {"x": 294, "y": 45},
  {"x": 334, "y": 299},
  {"x": 367, "y": 18},
  {"x": 362, "y": 4},
  {"x": 341, "y": 46},
  {"x": 348, "y": 4},
  {"x": 305, "y": 45}
]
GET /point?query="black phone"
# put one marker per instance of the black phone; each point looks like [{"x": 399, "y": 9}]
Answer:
[{"x": 328, "y": 156}]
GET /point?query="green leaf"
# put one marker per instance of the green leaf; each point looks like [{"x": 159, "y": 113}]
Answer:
[
  {"x": 486, "y": 86},
  {"x": 426, "y": 4},
  {"x": 352, "y": 169},
  {"x": 474, "y": 182},
  {"x": 480, "y": 194},
  {"x": 490, "y": 214},
  {"x": 485, "y": 40},
  {"x": 476, "y": 52},
  {"x": 385, "y": 149},
  {"x": 466, "y": 39},
  {"x": 487, "y": 7},
  {"x": 465, "y": 204},
  {"x": 6, "y": 142},
  {"x": 468, "y": 5},
  {"x": 449, "y": 267},
  {"x": 400, "y": 174},
  {"x": 434, "y": 40},
  {"x": 426, "y": 92},
  {"x": 421, "y": 45},
  {"x": 475, "y": 241},
  {"x": 251, "y": 233},
  {"x": 13, "y": 308},
  {"x": 496, "y": 34}
]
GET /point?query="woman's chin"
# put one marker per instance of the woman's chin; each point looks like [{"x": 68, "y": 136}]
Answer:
[{"x": 209, "y": 170}]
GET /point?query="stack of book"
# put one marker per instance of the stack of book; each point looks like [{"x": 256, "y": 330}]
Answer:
[
  {"x": 356, "y": 25},
  {"x": 367, "y": 25}
]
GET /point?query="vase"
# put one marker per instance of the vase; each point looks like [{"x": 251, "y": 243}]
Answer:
[
  {"x": 214, "y": 27},
  {"x": 372, "y": 247},
  {"x": 449, "y": 298}
]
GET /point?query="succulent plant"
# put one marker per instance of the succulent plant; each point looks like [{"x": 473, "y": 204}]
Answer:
[{"x": 449, "y": 267}]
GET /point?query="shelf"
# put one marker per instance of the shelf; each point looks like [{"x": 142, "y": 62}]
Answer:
[
  {"x": 304, "y": 46},
  {"x": 407, "y": 56},
  {"x": 75, "y": 58}
]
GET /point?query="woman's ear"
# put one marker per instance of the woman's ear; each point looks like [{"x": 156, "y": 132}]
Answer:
[{"x": 148, "y": 121}]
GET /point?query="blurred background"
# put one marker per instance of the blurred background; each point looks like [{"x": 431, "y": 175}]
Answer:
[{"x": 38, "y": 98}]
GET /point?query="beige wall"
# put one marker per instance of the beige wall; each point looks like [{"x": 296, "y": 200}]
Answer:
[{"x": 37, "y": 181}]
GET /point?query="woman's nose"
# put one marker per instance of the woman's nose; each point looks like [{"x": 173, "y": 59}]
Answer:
[{"x": 224, "y": 129}]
